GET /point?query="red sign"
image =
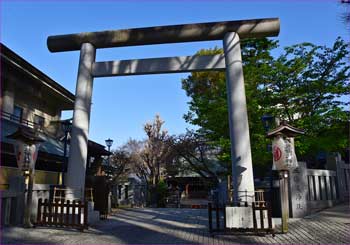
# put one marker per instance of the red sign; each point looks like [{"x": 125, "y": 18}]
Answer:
[{"x": 277, "y": 153}]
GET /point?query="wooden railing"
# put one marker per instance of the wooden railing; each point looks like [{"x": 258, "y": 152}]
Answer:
[
  {"x": 63, "y": 214},
  {"x": 60, "y": 194},
  {"x": 19, "y": 120},
  {"x": 249, "y": 196},
  {"x": 261, "y": 208}
]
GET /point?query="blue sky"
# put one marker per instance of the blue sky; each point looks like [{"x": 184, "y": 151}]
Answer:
[{"x": 121, "y": 105}]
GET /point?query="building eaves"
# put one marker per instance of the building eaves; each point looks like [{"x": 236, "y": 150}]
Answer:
[{"x": 20, "y": 63}]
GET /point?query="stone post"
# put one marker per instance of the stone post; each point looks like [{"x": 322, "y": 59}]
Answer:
[
  {"x": 80, "y": 126},
  {"x": 242, "y": 171},
  {"x": 17, "y": 186},
  {"x": 298, "y": 191}
]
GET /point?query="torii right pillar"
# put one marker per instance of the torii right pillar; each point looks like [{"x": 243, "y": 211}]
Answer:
[{"x": 242, "y": 169}]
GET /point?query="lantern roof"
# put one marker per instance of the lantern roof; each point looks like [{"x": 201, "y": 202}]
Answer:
[
  {"x": 285, "y": 129},
  {"x": 26, "y": 134}
]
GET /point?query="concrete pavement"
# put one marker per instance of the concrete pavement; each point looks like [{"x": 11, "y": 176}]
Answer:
[{"x": 184, "y": 226}]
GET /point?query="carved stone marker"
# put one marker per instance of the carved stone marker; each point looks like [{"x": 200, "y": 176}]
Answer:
[{"x": 298, "y": 191}]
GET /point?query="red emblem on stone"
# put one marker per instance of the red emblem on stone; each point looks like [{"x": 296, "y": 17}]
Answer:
[{"x": 277, "y": 153}]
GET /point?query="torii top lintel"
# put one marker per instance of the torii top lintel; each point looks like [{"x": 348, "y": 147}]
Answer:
[{"x": 254, "y": 28}]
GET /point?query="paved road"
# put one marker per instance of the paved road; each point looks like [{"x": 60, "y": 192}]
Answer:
[{"x": 184, "y": 226}]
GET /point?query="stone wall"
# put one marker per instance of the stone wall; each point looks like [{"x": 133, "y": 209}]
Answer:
[{"x": 315, "y": 189}]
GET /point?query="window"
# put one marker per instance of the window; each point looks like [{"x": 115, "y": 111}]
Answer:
[
  {"x": 17, "y": 114},
  {"x": 39, "y": 121}
]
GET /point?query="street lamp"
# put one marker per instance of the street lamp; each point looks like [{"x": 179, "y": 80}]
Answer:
[
  {"x": 26, "y": 146},
  {"x": 109, "y": 143},
  {"x": 267, "y": 121},
  {"x": 66, "y": 126}
]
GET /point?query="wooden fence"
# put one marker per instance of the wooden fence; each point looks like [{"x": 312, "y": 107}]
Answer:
[
  {"x": 63, "y": 214},
  {"x": 261, "y": 208},
  {"x": 259, "y": 211}
]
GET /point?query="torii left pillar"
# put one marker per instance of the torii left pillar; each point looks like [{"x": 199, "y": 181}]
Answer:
[{"x": 81, "y": 119}]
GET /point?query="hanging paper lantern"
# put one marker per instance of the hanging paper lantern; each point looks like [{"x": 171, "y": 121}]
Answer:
[
  {"x": 284, "y": 157},
  {"x": 26, "y": 154},
  {"x": 26, "y": 147}
]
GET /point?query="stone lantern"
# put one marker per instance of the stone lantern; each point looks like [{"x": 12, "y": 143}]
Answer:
[
  {"x": 26, "y": 147},
  {"x": 284, "y": 160}
]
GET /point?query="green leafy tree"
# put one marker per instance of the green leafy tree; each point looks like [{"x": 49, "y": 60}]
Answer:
[
  {"x": 308, "y": 85},
  {"x": 208, "y": 105},
  {"x": 305, "y": 85}
]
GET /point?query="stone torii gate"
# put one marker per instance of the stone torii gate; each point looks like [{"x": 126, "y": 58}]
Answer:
[{"x": 229, "y": 31}]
